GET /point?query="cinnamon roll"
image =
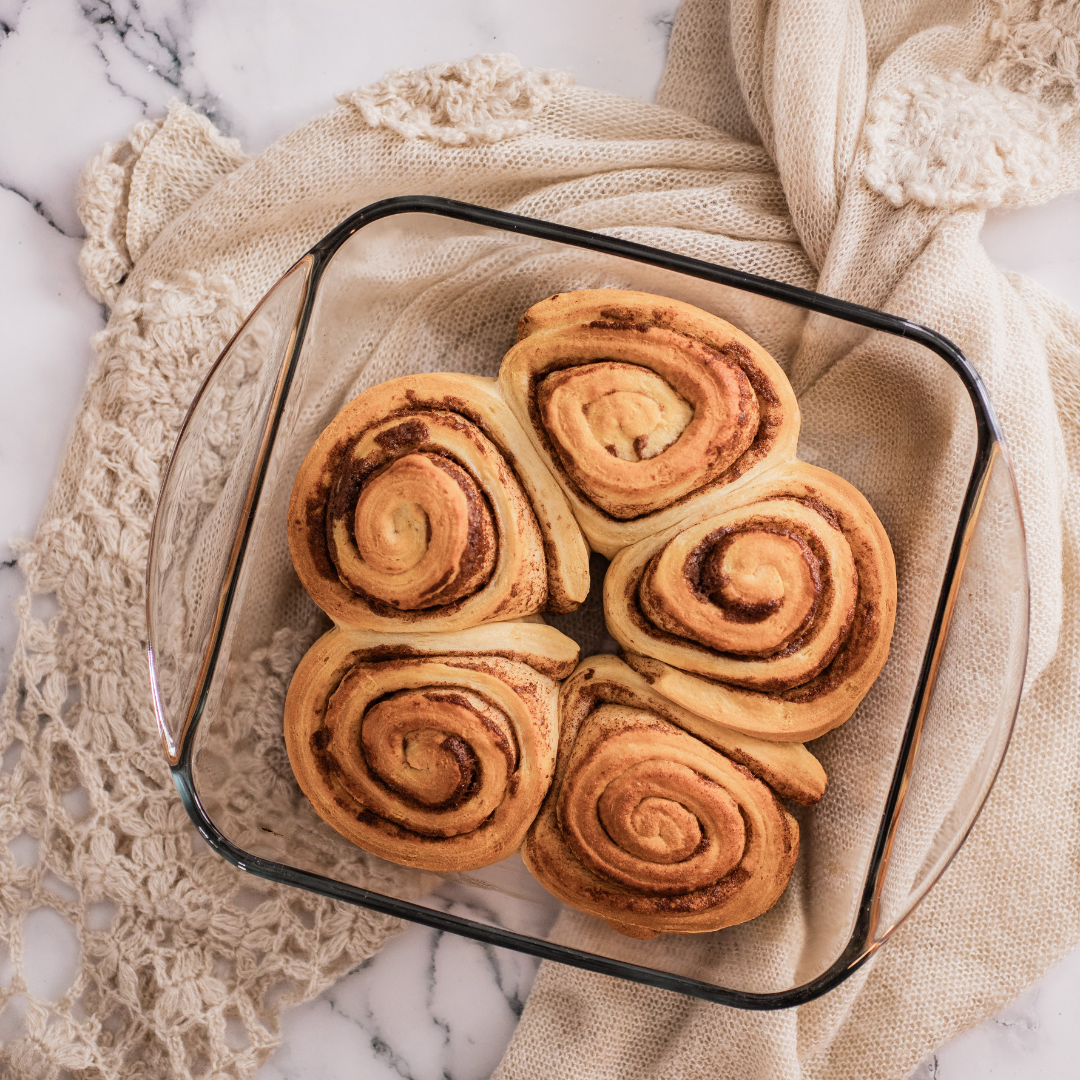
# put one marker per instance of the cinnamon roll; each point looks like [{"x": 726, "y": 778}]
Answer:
[
  {"x": 660, "y": 820},
  {"x": 430, "y": 750},
  {"x": 424, "y": 506},
  {"x": 642, "y": 405},
  {"x": 783, "y": 597}
]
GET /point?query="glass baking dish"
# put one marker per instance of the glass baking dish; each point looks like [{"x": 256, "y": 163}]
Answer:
[{"x": 444, "y": 283}]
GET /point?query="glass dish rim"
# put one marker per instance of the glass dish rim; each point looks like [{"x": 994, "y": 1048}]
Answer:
[{"x": 990, "y": 447}]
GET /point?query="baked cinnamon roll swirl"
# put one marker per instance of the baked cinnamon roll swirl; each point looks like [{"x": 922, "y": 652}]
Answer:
[
  {"x": 423, "y": 505},
  {"x": 660, "y": 820},
  {"x": 642, "y": 405},
  {"x": 783, "y": 597},
  {"x": 430, "y": 750}
]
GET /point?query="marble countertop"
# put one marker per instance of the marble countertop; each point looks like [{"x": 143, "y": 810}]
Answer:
[{"x": 74, "y": 75}]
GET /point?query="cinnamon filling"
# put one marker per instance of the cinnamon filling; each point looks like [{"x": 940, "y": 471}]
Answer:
[
  {"x": 776, "y": 585},
  {"x": 641, "y": 806},
  {"x": 413, "y": 532},
  {"x": 673, "y": 413},
  {"x": 762, "y": 575},
  {"x": 437, "y": 762},
  {"x": 762, "y": 585}
]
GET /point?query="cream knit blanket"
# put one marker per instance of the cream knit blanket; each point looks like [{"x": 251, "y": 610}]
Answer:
[{"x": 847, "y": 147}]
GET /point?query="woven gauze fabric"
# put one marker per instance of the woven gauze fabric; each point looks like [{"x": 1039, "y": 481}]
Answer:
[{"x": 813, "y": 143}]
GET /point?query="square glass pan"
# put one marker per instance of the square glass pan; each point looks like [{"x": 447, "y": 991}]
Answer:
[{"x": 891, "y": 406}]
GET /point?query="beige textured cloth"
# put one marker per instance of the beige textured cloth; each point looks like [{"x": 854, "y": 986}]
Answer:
[
  {"x": 893, "y": 127},
  {"x": 845, "y": 147}
]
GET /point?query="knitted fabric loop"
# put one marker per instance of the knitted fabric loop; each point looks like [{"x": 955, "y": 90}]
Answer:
[
  {"x": 951, "y": 143},
  {"x": 485, "y": 99},
  {"x": 1039, "y": 50}
]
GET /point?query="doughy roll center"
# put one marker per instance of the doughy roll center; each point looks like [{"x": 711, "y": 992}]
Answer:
[
  {"x": 643, "y": 427},
  {"x": 765, "y": 583},
  {"x": 435, "y": 761},
  {"x": 400, "y": 511},
  {"x": 774, "y": 584},
  {"x": 420, "y": 534},
  {"x": 628, "y": 412},
  {"x": 645, "y": 807},
  {"x": 654, "y": 828}
]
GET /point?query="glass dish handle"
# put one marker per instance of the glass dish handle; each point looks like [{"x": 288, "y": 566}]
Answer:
[
  {"x": 207, "y": 498},
  {"x": 972, "y": 706}
]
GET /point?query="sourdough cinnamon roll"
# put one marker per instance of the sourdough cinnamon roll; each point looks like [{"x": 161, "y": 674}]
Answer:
[
  {"x": 660, "y": 820},
  {"x": 430, "y": 750},
  {"x": 423, "y": 505},
  {"x": 642, "y": 405},
  {"x": 783, "y": 596}
]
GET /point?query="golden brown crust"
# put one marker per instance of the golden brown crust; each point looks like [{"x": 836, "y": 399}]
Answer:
[
  {"x": 423, "y": 505},
  {"x": 659, "y": 820},
  {"x": 754, "y": 596},
  {"x": 709, "y": 597},
  {"x": 642, "y": 405},
  {"x": 430, "y": 750}
]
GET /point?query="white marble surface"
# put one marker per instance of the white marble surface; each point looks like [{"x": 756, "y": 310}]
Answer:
[{"x": 74, "y": 75}]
